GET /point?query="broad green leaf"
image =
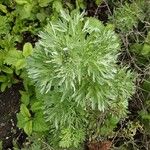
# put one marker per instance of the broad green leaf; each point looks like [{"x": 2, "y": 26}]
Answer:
[
  {"x": 3, "y": 78},
  {"x": 39, "y": 124},
  {"x": 44, "y": 3},
  {"x": 146, "y": 50},
  {"x": 3, "y": 86},
  {"x": 28, "y": 127},
  {"x": 3, "y": 8},
  {"x": 80, "y": 4},
  {"x": 24, "y": 111},
  {"x": 98, "y": 2},
  {"x": 21, "y": 2},
  {"x": 20, "y": 64},
  {"x": 17, "y": 72},
  {"x": 9, "y": 84},
  {"x": 13, "y": 56},
  {"x": 36, "y": 106},
  {"x": 27, "y": 49},
  {"x": 25, "y": 97},
  {"x": 7, "y": 70},
  {"x": 57, "y": 5},
  {"x": 24, "y": 11},
  {"x": 21, "y": 120},
  {"x": 41, "y": 16}
]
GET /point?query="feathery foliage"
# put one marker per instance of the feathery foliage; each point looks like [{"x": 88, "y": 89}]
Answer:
[
  {"x": 74, "y": 69},
  {"x": 127, "y": 16}
]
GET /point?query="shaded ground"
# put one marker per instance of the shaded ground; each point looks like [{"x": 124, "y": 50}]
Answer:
[{"x": 9, "y": 106}]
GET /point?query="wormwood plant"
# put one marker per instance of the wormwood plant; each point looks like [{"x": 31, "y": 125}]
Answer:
[
  {"x": 127, "y": 16},
  {"x": 84, "y": 92}
]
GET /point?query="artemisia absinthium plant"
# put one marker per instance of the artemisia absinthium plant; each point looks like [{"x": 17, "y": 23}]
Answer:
[{"x": 74, "y": 70}]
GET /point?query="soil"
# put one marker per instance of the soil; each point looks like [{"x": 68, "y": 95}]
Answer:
[
  {"x": 9, "y": 106},
  {"x": 27, "y": 37},
  {"x": 100, "y": 12},
  {"x": 105, "y": 145}
]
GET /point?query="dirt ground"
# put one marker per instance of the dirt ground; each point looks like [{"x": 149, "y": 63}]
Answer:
[{"x": 9, "y": 106}]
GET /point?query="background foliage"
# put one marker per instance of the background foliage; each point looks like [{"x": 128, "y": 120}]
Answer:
[{"x": 64, "y": 105}]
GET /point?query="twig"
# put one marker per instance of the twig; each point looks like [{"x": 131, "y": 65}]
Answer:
[{"x": 108, "y": 7}]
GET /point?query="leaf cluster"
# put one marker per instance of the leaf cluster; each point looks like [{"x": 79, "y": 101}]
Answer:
[
  {"x": 127, "y": 16},
  {"x": 74, "y": 69}
]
